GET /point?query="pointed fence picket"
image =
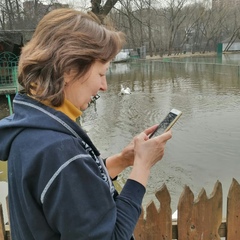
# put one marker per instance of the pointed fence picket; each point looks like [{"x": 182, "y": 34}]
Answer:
[{"x": 199, "y": 219}]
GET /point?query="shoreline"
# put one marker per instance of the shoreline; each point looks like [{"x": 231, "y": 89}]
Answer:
[
  {"x": 188, "y": 55},
  {"x": 182, "y": 55}
]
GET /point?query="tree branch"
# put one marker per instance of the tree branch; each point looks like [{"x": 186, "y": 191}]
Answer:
[
  {"x": 108, "y": 6},
  {"x": 96, "y": 6}
]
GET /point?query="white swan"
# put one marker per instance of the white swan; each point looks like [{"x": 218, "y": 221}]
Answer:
[{"x": 125, "y": 90}]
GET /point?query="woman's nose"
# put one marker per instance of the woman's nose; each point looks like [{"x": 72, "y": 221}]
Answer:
[{"x": 103, "y": 86}]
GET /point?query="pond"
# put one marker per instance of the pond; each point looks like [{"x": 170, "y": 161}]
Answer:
[{"x": 205, "y": 143}]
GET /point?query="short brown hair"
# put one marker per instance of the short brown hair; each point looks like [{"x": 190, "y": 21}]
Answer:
[{"x": 64, "y": 39}]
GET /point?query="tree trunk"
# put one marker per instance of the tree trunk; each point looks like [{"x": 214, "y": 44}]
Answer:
[{"x": 102, "y": 11}]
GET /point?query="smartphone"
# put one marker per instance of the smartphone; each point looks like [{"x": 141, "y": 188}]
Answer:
[{"x": 167, "y": 122}]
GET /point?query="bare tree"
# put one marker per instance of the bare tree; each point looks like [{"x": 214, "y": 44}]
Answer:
[
  {"x": 193, "y": 36},
  {"x": 232, "y": 28},
  {"x": 212, "y": 27},
  {"x": 102, "y": 10},
  {"x": 129, "y": 21},
  {"x": 149, "y": 24},
  {"x": 10, "y": 14},
  {"x": 17, "y": 15},
  {"x": 174, "y": 16},
  {"x": 160, "y": 26}
]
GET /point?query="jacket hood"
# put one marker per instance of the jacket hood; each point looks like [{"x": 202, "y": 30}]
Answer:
[{"x": 29, "y": 113}]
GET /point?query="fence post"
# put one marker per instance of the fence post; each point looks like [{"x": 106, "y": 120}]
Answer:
[
  {"x": 158, "y": 222},
  {"x": 200, "y": 219},
  {"x": 233, "y": 211},
  {"x": 2, "y": 225}
]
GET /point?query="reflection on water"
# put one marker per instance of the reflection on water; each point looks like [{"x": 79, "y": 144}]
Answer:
[{"x": 205, "y": 143}]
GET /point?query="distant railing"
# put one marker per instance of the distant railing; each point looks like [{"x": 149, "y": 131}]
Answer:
[
  {"x": 199, "y": 219},
  {"x": 216, "y": 67},
  {"x": 8, "y": 76}
]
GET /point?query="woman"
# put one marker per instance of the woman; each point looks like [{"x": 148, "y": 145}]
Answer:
[{"x": 59, "y": 187}]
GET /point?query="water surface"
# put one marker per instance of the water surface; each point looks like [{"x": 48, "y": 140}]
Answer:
[{"x": 205, "y": 143}]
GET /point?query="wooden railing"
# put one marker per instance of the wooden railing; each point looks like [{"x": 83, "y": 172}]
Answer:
[
  {"x": 199, "y": 219},
  {"x": 8, "y": 76}
]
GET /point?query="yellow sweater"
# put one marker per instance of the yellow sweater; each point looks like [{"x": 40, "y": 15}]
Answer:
[{"x": 69, "y": 109}]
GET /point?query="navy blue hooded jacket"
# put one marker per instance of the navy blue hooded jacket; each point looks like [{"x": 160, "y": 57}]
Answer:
[{"x": 59, "y": 187}]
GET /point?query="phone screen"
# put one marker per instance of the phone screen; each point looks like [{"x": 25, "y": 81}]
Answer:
[{"x": 170, "y": 118}]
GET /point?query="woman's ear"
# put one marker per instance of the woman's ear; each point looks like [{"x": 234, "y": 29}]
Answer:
[{"x": 68, "y": 76}]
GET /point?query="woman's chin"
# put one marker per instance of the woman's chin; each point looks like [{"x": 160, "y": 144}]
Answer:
[{"x": 82, "y": 108}]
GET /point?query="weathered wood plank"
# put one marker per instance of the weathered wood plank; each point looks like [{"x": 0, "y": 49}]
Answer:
[
  {"x": 174, "y": 230},
  {"x": 2, "y": 225},
  {"x": 165, "y": 214},
  {"x": 222, "y": 229},
  {"x": 200, "y": 219},
  {"x": 8, "y": 234},
  {"x": 7, "y": 226},
  {"x": 158, "y": 223},
  {"x": 233, "y": 211},
  {"x": 7, "y": 205}
]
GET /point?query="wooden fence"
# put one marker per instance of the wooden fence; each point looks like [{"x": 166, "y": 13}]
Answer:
[{"x": 199, "y": 219}]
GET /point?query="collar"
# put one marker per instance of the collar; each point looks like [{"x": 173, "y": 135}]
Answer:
[{"x": 69, "y": 109}]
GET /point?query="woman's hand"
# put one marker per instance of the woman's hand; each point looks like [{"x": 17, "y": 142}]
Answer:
[
  {"x": 147, "y": 152},
  {"x": 117, "y": 163},
  {"x": 127, "y": 154}
]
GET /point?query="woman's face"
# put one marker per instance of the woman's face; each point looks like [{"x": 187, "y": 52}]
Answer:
[{"x": 80, "y": 91}]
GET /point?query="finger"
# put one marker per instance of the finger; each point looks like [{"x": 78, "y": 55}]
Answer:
[
  {"x": 150, "y": 130},
  {"x": 166, "y": 136},
  {"x": 142, "y": 136}
]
